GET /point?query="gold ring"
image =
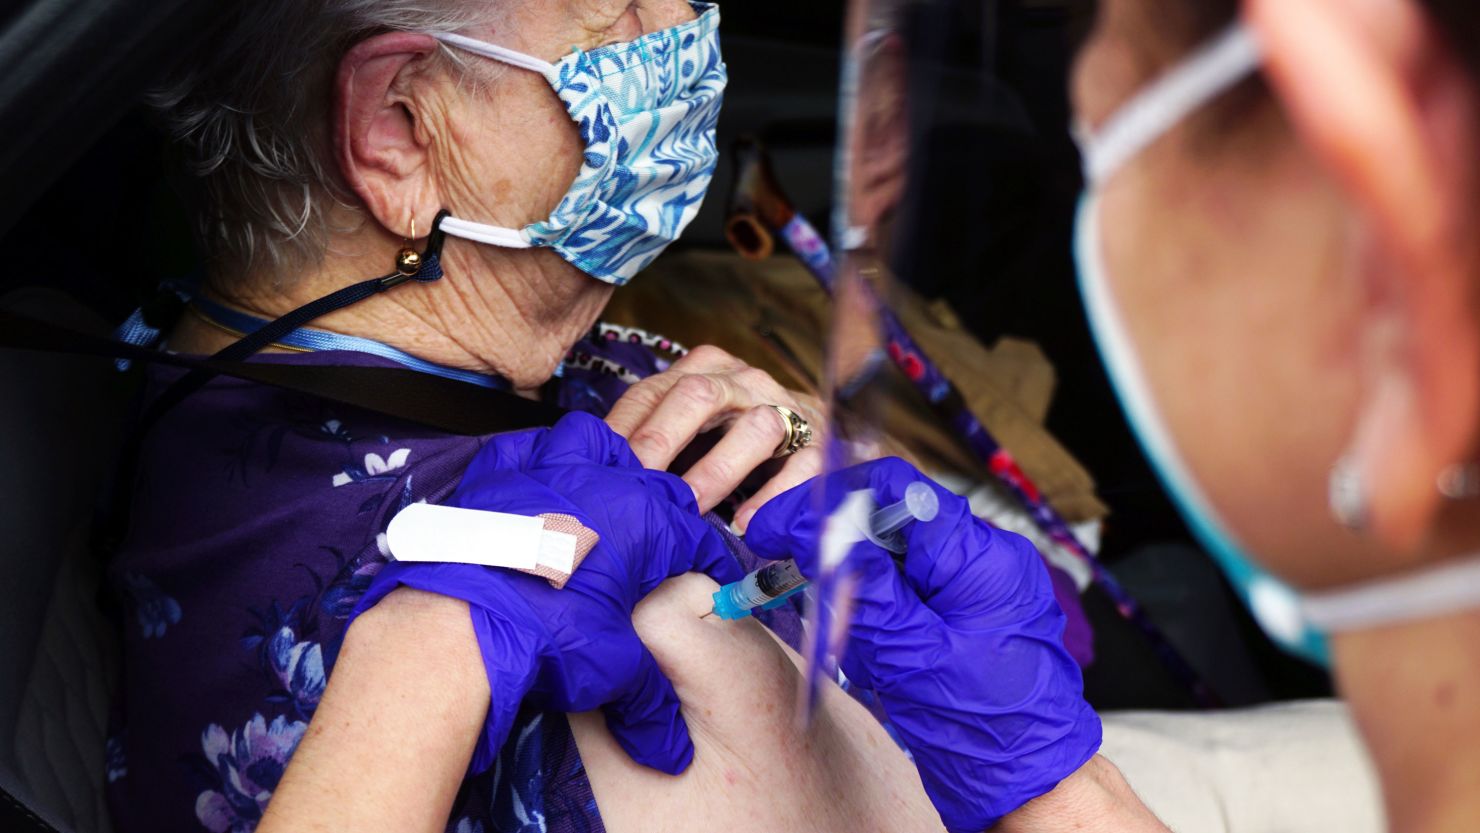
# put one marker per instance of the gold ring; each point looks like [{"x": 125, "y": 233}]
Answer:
[{"x": 798, "y": 433}]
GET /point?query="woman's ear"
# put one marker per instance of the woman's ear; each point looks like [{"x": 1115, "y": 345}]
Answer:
[
  {"x": 379, "y": 144},
  {"x": 1384, "y": 106}
]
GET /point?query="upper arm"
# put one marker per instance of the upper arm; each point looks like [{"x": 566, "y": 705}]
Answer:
[
  {"x": 390, "y": 742},
  {"x": 752, "y": 763}
]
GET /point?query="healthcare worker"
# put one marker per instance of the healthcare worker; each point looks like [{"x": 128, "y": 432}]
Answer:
[
  {"x": 1278, "y": 260},
  {"x": 1277, "y": 256}
]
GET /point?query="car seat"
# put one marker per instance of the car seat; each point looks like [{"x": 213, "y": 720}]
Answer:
[{"x": 58, "y": 655}]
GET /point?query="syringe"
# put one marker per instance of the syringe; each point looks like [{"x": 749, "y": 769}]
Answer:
[{"x": 770, "y": 586}]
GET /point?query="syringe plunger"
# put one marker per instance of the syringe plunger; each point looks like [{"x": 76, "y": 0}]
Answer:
[{"x": 920, "y": 504}]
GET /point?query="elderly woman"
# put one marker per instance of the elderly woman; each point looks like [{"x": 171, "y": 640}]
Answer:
[{"x": 556, "y": 146}]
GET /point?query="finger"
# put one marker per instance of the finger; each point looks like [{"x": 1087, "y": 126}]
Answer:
[
  {"x": 698, "y": 403},
  {"x": 957, "y": 563},
  {"x": 948, "y": 555},
  {"x": 693, "y": 404},
  {"x": 713, "y": 558},
  {"x": 706, "y": 358},
  {"x": 689, "y": 544},
  {"x": 801, "y": 467},
  {"x": 633, "y": 408},
  {"x": 749, "y": 443},
  {"x": 646, "y": 720}
]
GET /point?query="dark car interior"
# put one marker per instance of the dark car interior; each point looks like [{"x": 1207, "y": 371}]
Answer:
[{"x": 92, "y": 222}]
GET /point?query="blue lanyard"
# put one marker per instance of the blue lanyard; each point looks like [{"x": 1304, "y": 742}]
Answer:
[{"x": 305, "y": 338}]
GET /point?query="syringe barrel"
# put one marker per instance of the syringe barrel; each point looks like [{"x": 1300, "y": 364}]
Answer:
[
  {"x": 778, "y": 578},
  {"x": 920, "y": 503},
  {"x": 746, "y": 593},
  {"x": 761, "y": 587}
]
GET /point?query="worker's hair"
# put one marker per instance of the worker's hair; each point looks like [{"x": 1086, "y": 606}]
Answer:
[{"x": 249, "y": 110}]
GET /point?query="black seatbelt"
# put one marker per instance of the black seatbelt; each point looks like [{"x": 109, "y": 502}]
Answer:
[{"x": 436, "y": 402}]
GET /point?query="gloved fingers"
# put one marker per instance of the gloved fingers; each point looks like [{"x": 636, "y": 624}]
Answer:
[
  {"x": 670, "y": 488},
  {"x": 963, "y": 567},
  {"x": 507, "y": 491},
  {"x": 646, "y": 719},
  {"x": 952, "y": 560},
  {"x": 788, "y": 526},
  {"x": 714, "y": 559},
  {"x": 580, "y": 438},
  {"x": 1006, "y": 578},
  {"x": 688, "y": 544},
  {"x": 791, "y": 524},
  {"x": 509, "y": 451},
  {"x": 883, "y": 602}
]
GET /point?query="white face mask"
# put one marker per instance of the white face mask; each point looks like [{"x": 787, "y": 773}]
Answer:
[{"x": 1298, "y": 623}]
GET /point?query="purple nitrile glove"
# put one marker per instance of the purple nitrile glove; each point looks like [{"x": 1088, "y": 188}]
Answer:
[
  {"x": 963, "y": 646},
  {"x": 575, "y": 649}
]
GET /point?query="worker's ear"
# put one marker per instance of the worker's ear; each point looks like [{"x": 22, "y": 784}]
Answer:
[
  {"x": 1381, "y": 101},
  {"x": 380, "y": 140}
]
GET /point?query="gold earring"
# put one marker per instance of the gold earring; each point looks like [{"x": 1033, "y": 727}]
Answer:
[{"x": 408, "y": 260}]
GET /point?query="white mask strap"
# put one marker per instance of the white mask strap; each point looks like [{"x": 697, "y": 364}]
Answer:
[
  {"x": 1424, "y": 594},
  {"x": 497, "y": 53},
  {"x": 1210, "y": 71},
  {"x": 481, "y": 232}
]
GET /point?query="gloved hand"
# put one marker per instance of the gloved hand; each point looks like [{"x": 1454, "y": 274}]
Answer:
[
  {"x": 963, "y": 647},
  {"x": 575, "y": 649}
]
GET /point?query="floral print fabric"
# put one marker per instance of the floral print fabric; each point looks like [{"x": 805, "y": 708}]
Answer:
[{"x": 258, "y": 522}]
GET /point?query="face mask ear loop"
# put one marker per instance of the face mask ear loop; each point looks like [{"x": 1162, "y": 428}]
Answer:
[
  {"x": 1207, "y": 73},
  {"x": 497, "y": 53},
  {"x": 1437, "y": 591},
  {"x": 506, "y": 238}
]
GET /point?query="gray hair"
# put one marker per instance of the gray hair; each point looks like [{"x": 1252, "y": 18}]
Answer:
[{"x": 249, "y": 112}]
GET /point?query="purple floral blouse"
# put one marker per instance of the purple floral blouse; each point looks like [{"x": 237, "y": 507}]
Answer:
[{"x": 258, "y": 521}]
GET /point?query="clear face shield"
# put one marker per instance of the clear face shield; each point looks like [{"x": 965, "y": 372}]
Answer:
[{"x": 939, "y": 161}]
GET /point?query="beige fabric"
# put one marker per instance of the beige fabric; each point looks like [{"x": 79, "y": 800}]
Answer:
[
  {"x": 586, "y": 539},
  {"x": 1287, "y": 768}
]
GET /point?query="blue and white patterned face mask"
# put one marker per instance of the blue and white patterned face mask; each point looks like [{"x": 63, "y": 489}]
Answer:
[{"x": 647, "y": 112}]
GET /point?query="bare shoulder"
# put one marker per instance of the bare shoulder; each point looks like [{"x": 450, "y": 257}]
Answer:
[{"x": 753, "y": 768}]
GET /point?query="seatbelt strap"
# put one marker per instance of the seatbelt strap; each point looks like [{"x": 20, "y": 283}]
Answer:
[{"x": 444, "y": 404}]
